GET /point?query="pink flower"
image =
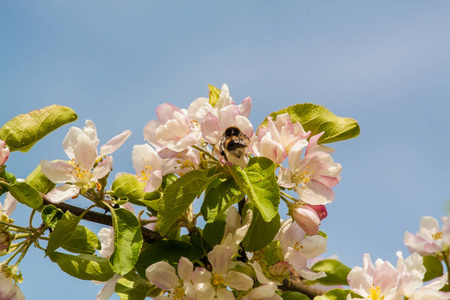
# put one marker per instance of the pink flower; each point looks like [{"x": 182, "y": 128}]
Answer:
[
  {"x": 226, "y": 114},
  {"x": 297, "y": 248},
  {"x": 172, "y": 129},
  {"x": 313, "y": 176},
  {"x": 429, "y": 239},
  {"x": 275, "y": 140},
  {"x": 9, "y": 290}
]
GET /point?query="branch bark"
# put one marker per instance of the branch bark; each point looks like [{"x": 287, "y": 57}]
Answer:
[
  {"x": 101, "y": 218},
  {"x": 295, "y": 284}
]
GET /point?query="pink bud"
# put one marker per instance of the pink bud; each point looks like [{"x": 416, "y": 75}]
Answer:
[
  {"x": 4, "y": 152},
  {"x": 5, "y": 241},
  {"x": 307, "y": 218},
  {"x": 321, "y": 210}
]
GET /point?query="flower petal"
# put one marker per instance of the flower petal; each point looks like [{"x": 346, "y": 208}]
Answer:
[
  {"x": 114, "y": 143},
  {"x": 237, "y": 280},
  {"x": 62, "y": 193},
  {"x": 57, "y": 171},
  {"x": 162, "y": 275}
]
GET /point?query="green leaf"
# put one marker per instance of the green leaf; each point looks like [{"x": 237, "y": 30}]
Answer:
[
  {"x": 83, "y": 241},
  {"x": 127, "y": 240},
  {"x": 214, "y": 94},
  {"x": 51, "y": 215},
  {"x": 316, "y": 118},
  {"x": 434, "y": 267},
  {"x": 179, "y": 195},
  {"x": 260, "y": 233},
  {"x": 131, "y": 287},
  {"x": 213, "y": 232},
  {"x": 337, "y": 294},
  {"x": 336, "y": 272},
  {"x": 294, "y": 296},
  {"x": 167, "y": 250},
  {"x": 128, "y": 186},
  {"x": 62, "y": 232},
  {"x": 197, "y": 240},
  {"x": 219, "y": 198},
  {"x": 39, "y": 181},
  {"x": 22, "y": 132},
  {"x": 25, "y": 194},
  {"x": 259, "y": 183},
  {"x": 83, "y": 266}
]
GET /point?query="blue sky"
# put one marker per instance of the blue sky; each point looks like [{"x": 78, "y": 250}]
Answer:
[{"x": 383, "y": 63}]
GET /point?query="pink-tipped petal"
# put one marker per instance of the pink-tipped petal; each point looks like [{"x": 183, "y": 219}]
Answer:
[{"x": 114, "y": 143}]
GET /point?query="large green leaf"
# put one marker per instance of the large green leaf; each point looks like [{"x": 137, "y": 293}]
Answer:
[
  {"x": 39, "y": 181},
  {"x": 25, "y": 194},
  {"x": 127, "y": 240},
  {"x": 219, "y": 198},
  {"x": 22, "y": 132},
  {"x": 213, "y": 232},
  {"x": 259, "y": 183},
  {"x": 260, "y": 233},
  {"x": 131, "y": 287},
  {"x": 336, "y": 272},
  {"x": 62, "y": 232},
  {"x": 83, "y": 241},
  {"x": 316, "y": 118},
  {"x": 179, "y": 195},
  {"x": 167, "y": 250},
  {"x": 84, "y": 266}
]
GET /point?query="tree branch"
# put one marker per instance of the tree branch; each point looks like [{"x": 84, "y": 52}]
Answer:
[
  {"x": 92, "y": 216},
  {"x": 295, "y": 284}
]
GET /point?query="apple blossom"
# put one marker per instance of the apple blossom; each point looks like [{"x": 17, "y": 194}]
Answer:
[
  {"x": 179, "y": 162},
  {"x": 4, "y": 152},
  {"x": 377, "y": 281},
  {"x": 9, "y": 290},
  {"x": 297, "y": 248},
  {"x": 148, "y": 166},
  {"x": 275, "y": 140},
  {"x": 187, "y": 283},
  {"x": 429, "y": 239},
  {"x": 172, "y": 129},
  {"x": 267, "y": 288},
  {"x": 236, "y": 228},
  {"x": 313, "y": 176},
  {"x": 85, "y": 167},
  {"x": 222, "y": 277}
]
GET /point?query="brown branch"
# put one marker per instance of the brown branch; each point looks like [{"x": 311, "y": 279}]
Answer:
[
  {"x": 295, "y": 284},
  {"x": 101, "y": 218}
]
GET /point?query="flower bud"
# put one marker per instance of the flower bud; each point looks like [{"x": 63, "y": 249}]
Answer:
[
  {"x": 307, "y": 218},
  {"x": 321, "y": 211},
  {"x": 280, "y": 269},
  {"x": 4, "y": 152},
  {"x": 5, "y": 241}
]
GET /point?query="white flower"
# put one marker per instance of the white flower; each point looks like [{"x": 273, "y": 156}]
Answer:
[
  {"x": 4, "y": 152},
  {"x": 148, "y": 166},
  {"x": 236, "y": 228},
  {"x": 9, "y": 290},
  {"x": 79, "y": 174},
  {"x": 298, "y": 249}
]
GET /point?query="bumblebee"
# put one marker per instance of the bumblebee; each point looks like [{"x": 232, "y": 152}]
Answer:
[{"x": 233, "y": 146}]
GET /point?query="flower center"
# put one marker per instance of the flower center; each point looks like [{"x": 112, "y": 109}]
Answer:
[
  {"x": 145, "y": 174},
  {"x": 298, "y": 246},
  {"x": 437, "y": 235},
  {"x": 375, "y": 293},
  {"x": 178, "y": 293},
  {"x": 195, "y": 123},
  {"x": 217, "y": 280},
  {"x": 80, "y": 171},
  {"x": 303, "y": 177}
]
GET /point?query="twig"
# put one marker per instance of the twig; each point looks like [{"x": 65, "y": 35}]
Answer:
[
  {"x": 295, "y": 284},
  {"x": 96, "y": 217}
]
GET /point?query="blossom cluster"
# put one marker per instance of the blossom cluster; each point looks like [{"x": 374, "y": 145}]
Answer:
[{"x": 384, "y": 281}]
